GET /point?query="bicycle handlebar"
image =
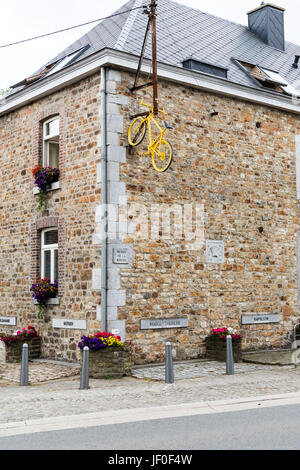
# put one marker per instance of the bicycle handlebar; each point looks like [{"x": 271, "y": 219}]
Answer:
[
  {"x": 147, "y": 105},
  {"x": 151, "y": 107}
]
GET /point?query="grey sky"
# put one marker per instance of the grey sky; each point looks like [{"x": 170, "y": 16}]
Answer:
[{"x": 23, "y": 19}]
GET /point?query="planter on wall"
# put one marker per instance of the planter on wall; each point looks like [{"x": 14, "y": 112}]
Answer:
[
  {"x": 216, "y": 349},
  {"x": 13, "y": 351},
  {"x": 109, "y": 362}
]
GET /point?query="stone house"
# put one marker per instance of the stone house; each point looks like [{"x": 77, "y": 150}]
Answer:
[{"x": 166, "y": 256}]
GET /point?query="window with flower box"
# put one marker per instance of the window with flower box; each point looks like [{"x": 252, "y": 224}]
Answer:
[
  {"x": 48, "y": 234},
  {"x": 50, "y": 155}
]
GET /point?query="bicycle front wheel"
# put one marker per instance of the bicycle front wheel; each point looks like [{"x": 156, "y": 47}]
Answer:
[
  {"x": 162, "y": 155},
  {"x": 136, "y": 131}
]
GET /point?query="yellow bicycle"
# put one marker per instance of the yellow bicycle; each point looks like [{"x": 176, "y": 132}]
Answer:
[{"x": 159, "y": 148}]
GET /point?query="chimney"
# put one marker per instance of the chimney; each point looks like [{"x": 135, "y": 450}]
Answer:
[{"x": 267, "y": 22}]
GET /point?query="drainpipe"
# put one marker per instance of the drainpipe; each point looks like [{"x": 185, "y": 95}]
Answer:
[{"x": 104, "y": 202}]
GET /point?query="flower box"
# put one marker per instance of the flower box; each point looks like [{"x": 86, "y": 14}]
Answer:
[
  {"x": 43, "y": 293},
  {"x": 216, "y": 349},
  {"x": 108, "y": 356},
  {"x": 12, "y": 345},
  {"x": 13, "y": 351},
  {"x": 44, "y": 179},
  {"x": 110, "y": 362}
]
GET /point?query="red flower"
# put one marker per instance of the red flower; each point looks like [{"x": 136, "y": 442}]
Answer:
[{"x": 36, "y": 169}]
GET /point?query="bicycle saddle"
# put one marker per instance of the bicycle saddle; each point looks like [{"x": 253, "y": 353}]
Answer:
[{"x": 168, "y": 125}]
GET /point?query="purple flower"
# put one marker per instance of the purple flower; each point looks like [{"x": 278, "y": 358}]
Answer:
[
  {"x": 43, "y": 290},
  {"x": 46, "y": 176}
]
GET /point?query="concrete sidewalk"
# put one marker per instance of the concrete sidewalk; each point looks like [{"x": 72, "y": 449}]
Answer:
[{"x": 57, "y": 394}]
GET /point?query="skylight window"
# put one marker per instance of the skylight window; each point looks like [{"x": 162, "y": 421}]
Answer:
[
  {"x": 52, "y": 67},
  {"x": 63, "y": 62},
  {"x": 286, "y": 86},
  {"x": 268, "y": 78}
]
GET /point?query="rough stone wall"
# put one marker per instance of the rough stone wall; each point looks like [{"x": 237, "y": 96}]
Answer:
[
  {"x": 71, "y": 207},
  {"x": 240, "y": 164}
]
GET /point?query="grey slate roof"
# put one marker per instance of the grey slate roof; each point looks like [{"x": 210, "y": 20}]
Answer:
[{"x": 183, "y": 32}]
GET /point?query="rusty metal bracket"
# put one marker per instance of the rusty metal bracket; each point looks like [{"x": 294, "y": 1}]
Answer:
[
  {"x": 145, "y": 113},
  {"x": 137, "y": 75}
]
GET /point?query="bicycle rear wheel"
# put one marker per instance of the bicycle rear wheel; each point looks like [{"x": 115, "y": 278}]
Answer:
[
  {"x": 137, "y": 131},
  {"x": 162, "y": 155}
]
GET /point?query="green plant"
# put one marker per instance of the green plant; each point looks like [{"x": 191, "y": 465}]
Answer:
[
  {"x": 42, "y": 290},
  {"x": 44, "y": 177}
]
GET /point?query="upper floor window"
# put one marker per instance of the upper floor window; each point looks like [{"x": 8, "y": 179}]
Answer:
[
  {"x": 51, "y": 142},
  {"x": 49, "y": 254}
]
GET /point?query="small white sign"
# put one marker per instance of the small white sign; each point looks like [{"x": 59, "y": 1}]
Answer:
[
  {"x": 68, "y": 323},
  {"x": 121, "y": 256},
  {"x": 260, "y": 318},
  {"x": 159, "y": 323},
  {"x": 8, "y": 321},
  {"x": 214, "y": 251}
]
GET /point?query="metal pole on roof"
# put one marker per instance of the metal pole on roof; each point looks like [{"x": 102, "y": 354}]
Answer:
[
  {"x": 154, "y": 56},
  {"x": 151, "y": 11}
]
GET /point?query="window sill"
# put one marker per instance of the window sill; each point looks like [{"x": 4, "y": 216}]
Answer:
[
  {"x": 54, "y": 186},
  {"x": 53, "y": 301}
]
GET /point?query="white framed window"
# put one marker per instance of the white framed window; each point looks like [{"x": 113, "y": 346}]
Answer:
[
  {"x": 51, "y": 142},
  {"x": 49, "y": 254}
]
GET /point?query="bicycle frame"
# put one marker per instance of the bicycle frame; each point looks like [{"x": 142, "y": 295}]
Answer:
[
  {"x": 152, "y": 143},
  {"x": 148, "y": 120}
]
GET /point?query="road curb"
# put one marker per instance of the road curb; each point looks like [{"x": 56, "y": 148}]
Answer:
[{"x": 109, "y": 417}]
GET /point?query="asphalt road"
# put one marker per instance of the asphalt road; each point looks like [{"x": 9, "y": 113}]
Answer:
[{"x": 274, "y": 428}]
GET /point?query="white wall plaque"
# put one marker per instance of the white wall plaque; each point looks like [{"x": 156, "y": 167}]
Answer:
[
  {"x": 260, "y": 318},
  {"x": 69, "y": 323},
  {"x": 8, "y": 321},
  {"x": 214, "y": 251},
  {"x": 156, "y": 323},
  {"x": 121, "y": 256}
]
